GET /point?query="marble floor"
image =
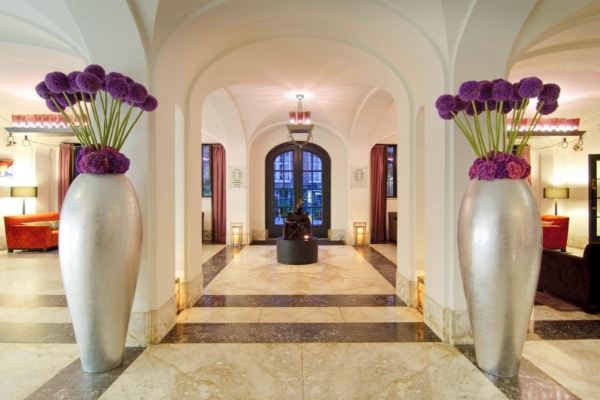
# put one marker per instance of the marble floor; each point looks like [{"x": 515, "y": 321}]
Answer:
[{"x": 262, "y": 330}]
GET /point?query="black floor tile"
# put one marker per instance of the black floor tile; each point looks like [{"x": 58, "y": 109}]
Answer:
[
  {"x": 567, "y": 330},
  {"x": 368, "y": 332},
  {"x": 300, "y": 301},
  {"x": 234, "y": 333},
  {"x": 72, "y": 383},
  {"x": 385, "y": 267},
  {"x": 531, "y": 384},
  {"x": 216, "y": 263}
]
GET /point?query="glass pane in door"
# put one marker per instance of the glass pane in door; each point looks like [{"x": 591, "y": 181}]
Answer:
[
  {"x": 312, "y": 185},
  {"x": 283, "y": 180}
]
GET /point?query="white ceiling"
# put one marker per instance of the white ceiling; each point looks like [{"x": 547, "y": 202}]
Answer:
[{"x": 567, "y": 53}]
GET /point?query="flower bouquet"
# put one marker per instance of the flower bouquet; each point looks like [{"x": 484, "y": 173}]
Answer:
[
  {"x": 491, "y": 136},
  {"x": 99, "y": 121}
]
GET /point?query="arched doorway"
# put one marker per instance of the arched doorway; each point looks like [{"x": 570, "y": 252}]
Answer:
[{"x": 294, "y": 173}]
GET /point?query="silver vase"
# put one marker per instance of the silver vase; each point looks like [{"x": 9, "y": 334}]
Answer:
[
  {"x": 500, "y": 250},
  {"x": 100, "y": 238}
]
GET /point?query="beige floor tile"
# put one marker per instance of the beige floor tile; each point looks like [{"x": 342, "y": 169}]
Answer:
[
  {"x": 24, "y": 367},
  {"x": 209, "y": 250},
  {"x": 219, "y": 315},
  {"x": 572, "y": 363},
  {"x": 413, "y": 371},
  {"x": 24, "y": 315},
  {"x": 381, "y": 314},
  {"x": 213, "y": 371},
  {"x": 301, "y": 314},
  {"x": 545, "y": 313}
]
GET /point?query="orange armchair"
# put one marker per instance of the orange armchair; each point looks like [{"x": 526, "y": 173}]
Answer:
[
  {"x": 556, "y": 235},
  {"x": 28, "y": 237}
]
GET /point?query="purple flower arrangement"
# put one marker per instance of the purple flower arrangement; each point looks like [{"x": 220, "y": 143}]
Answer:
[
  {"x": 95, "y": 99},
  {"x": 496, "y": 100}
]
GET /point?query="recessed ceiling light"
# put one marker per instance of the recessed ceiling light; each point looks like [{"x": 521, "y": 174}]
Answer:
[{"x": 292, "y": 95}]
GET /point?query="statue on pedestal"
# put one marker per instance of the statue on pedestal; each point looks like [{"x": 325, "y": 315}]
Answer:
[{"x": 297, "y": 225}]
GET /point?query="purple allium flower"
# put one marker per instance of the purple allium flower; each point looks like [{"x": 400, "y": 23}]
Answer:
[
  {"x": 445, "y": 103},
  {"x": 118, "y": 88},
  {"x": 95, "y": 162},
  {"x": 459, "y": 105},
  {"x": 502, "y": 90},
  {"x": 501, "y": 171},
  {"x": 42, "y": 90},
  {"x": 60, "y": 99},
  {"x": 138, "y": 93},
  {"x": 74, "y": 88},
  {"x": 479, "y": 107},
  {"x": 515, "y": 170},
  {"x": 129, "y": 80},
  {"x": 57, "y": 82},
  {"x": 149, "y": 104},
  {"x": 502, "y": 157},
  {"x": 486, "y": 170},
  {"x": 114, "y": 75},
  {"x": 118, "y": 163},
  {"x": 530, "y": 87},
  {"x": 96, "y": 70},
  {"x": 491, "y": 104},
  {"x": 549, "y": 93},
  {"x": 473, "y": 172},
  {"x": 515, "y": 95},
  {"x": 51, "y": 106},
  {"x": 103, "y": 85},
  {"x": 469, "y": 91},
  {"x": 506, "y": 107},
  {"x": 88, "y": 82},
  {"x": 526, "y": 167},
  {"x": 485, "y": 91},
  {"x": 548, "y": 108},
  {"x": 447, "y": 115}
]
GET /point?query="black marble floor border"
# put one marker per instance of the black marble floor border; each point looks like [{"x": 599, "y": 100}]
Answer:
[
  {"x": 531, "y": 384},
  {"x": 216, "y": 263},
  {"x": 382, "y": 264},
  {"x": 71, "y": 383},
  {"x": 389, "y": 332},
  {"x": 567, "y": 330},
  {"x": 32, "y": 300},
  {"x": 36, "y": 333},
  {"x": 359, "y": 300},
  {"x": 273, "y": 242}
]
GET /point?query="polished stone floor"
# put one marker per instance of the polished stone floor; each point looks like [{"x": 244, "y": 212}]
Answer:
[{"x": 330, "y": 330}]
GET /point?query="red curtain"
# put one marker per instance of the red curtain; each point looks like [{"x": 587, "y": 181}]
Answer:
[
  {"x": 526, "y": 155},
  {"x": 378, "y": 192},
  {"x": 64, "y": 172},
  {"x": 219, "y": 182}
]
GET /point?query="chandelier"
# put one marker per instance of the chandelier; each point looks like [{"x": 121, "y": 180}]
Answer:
[{"x": 300, "y": 123}]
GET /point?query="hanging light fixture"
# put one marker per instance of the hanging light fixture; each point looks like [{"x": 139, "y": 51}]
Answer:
[{"x": 300, "y": 123}]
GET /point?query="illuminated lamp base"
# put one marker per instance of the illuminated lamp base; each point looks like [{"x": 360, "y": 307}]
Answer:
[{"x": 297, "y": 251}]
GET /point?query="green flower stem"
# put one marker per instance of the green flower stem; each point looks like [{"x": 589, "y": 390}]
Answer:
[
  {"x": 515, "y": 131},
  {"x": 120, "y": 144},
  {"x": 84, "y": 123},
  {"x": 93, "y": 106},
  {"x": 110, "y": 120},
  {"x": 122, "y": 128},
  {"x": 96, "y": 140},
  {"x": 116, "y": 123},
  {"x": 504, "y": 138},
  {"x": 498, "y": 118},
  {"x": 471, "y": 129},
  {"x": 488, "y": 121},
  {"x": 75, "y": 131},
  {"x": 467, "y": 134},
  {"x": 74, "y": 112},
  {"x": 536, "y": 118},
  {"x": 478, "y": 129}
]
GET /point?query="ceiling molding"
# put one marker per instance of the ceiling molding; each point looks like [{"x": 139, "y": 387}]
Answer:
[{"x": 582, "y": 45}]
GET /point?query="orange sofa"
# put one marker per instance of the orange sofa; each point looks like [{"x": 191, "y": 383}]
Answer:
[
  {"x": 29, "y": 237},
  {"x": 555, "y": 235}
]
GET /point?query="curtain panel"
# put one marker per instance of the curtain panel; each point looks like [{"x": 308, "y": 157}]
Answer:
[
  {"x": 378, "y": 192},
  {"x": 219, "y": 188}
]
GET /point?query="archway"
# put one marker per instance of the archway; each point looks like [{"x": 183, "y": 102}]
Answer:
[{"x": 298, "y": 173}]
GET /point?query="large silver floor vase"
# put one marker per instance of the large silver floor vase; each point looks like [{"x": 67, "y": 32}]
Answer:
[
  {"x": 100, "y": 238},
  {"x": 500, "y": 250}
]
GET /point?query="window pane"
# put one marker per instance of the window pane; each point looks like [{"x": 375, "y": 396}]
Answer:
[
  {"x": 281, "y": 214},
  {"x": 306, "y": 160},
  {"x": 317, "y": 198},
  {"x": 317, "y": 165},
  {"x": 307, "y": 198},
  {"x": 316, "y": 180},
  {"x": 206, "y": 181},
  {"x": 317, "y": 216},
  {"x": 306, "y": 180},
  {"x": 391, "y": 164}
]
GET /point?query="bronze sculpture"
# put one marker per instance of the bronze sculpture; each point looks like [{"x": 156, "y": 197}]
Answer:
[{"x": 297, "y": 225}]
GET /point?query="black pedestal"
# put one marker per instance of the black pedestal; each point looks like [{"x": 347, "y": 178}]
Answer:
[{"x": 297, "y": 251}]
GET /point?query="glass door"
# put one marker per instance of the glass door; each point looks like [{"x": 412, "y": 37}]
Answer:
[
  {"x": 294, "y": 173},
  {"x": 594, "y": 166}
]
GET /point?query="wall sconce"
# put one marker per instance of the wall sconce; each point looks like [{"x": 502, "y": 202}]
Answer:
[
  {"x": 23, "y": 192},
  {"x": 236, "y": 233},
  {"x": 556, "y": 193},
  {"x": 360, "y": 233}
]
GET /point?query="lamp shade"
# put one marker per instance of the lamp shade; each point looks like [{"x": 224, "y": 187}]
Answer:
[
  {"x": 556, "y": 193},
  {"x": 23, "y": 191}
]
